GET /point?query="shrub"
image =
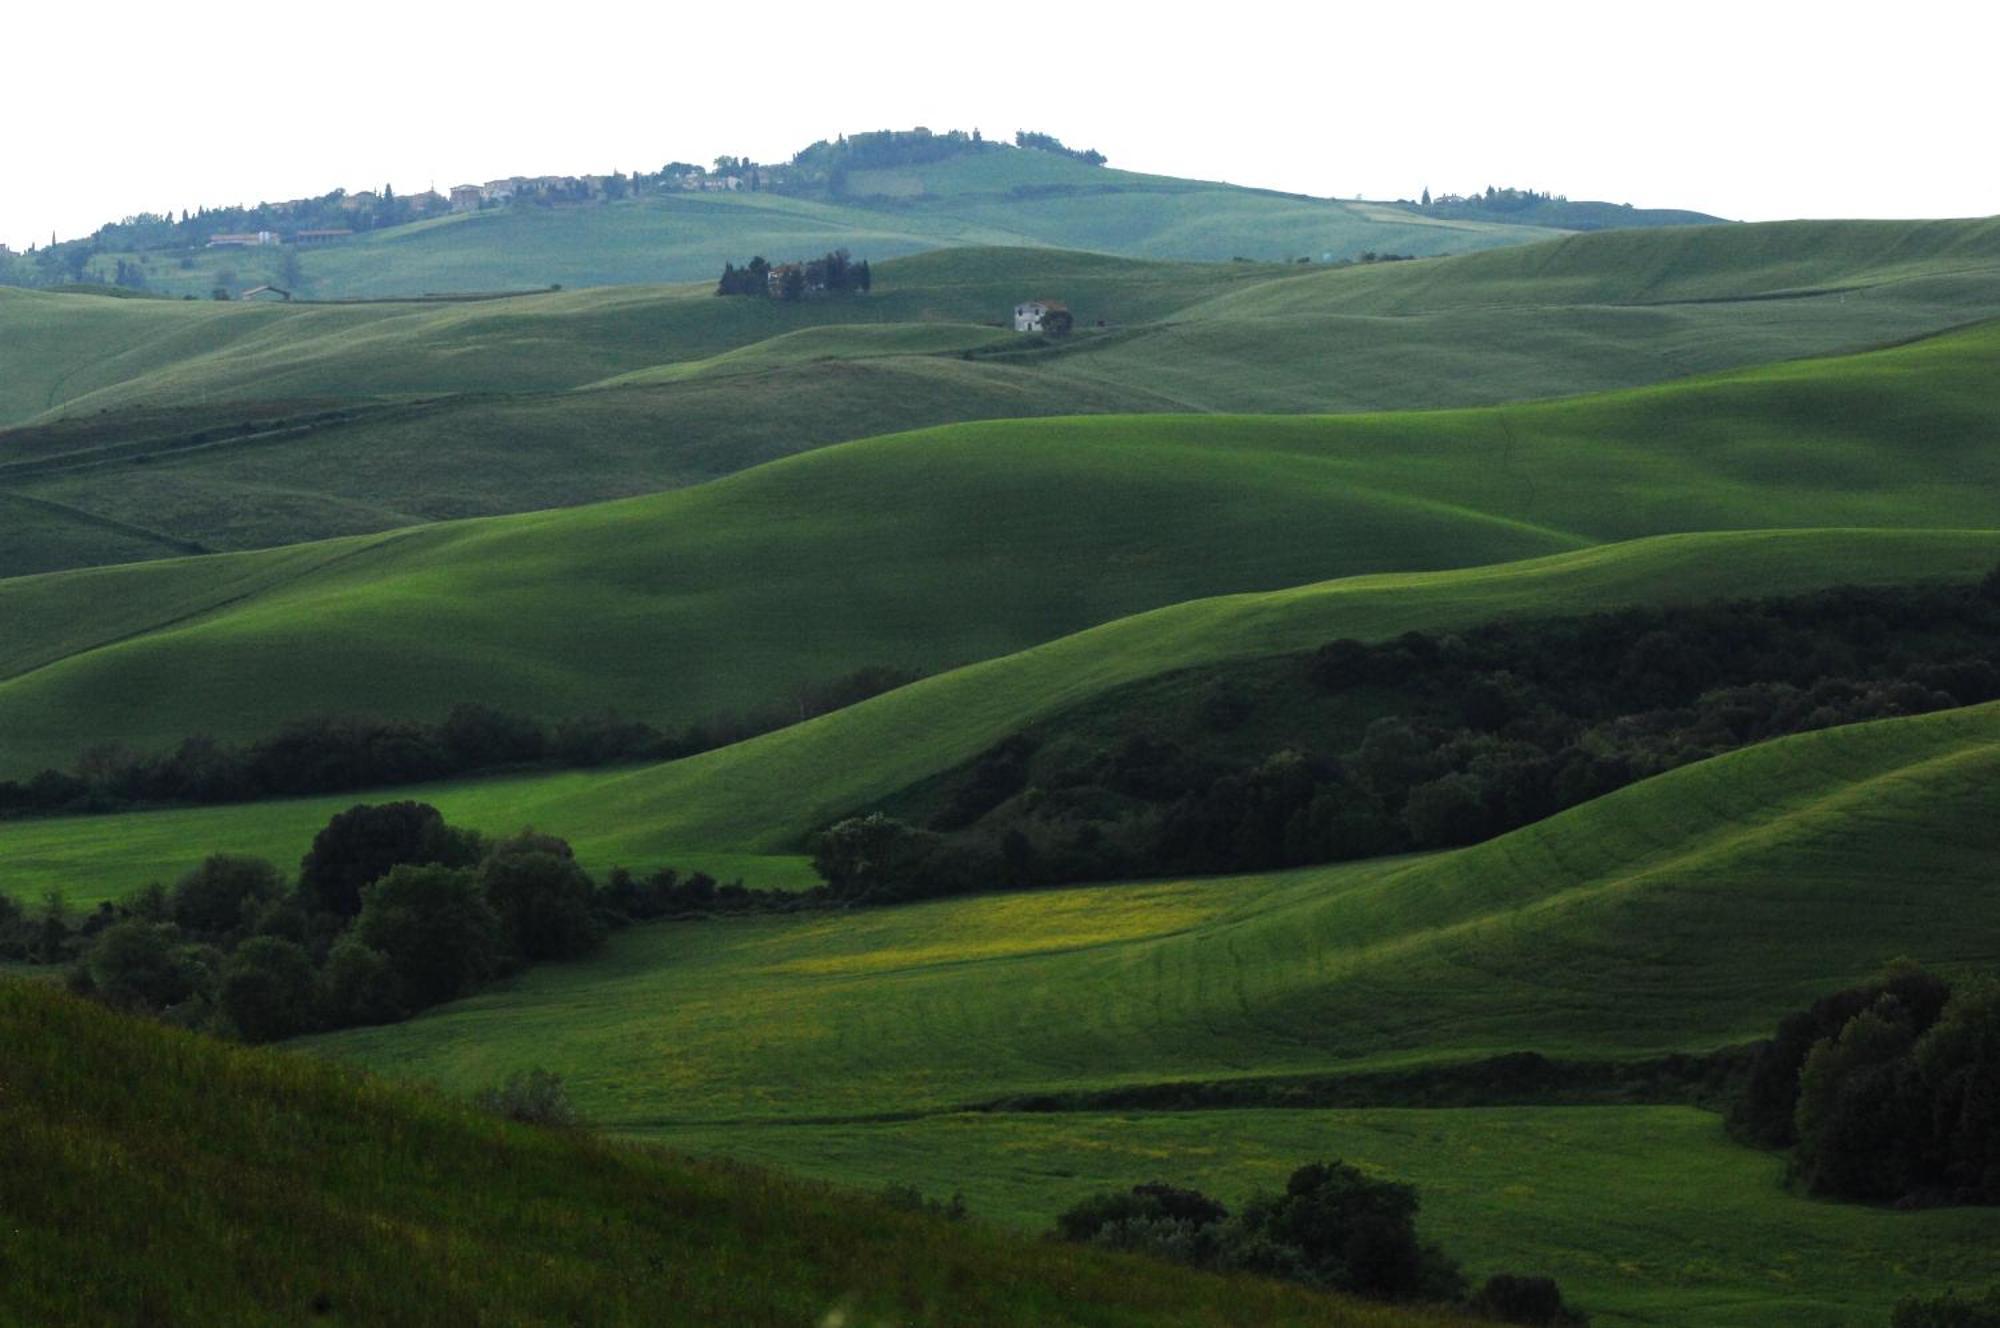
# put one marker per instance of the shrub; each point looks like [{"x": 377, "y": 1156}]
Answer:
[
  {"x": 1948, "y": 1311},
  {"x": 266, "y": 991},
  {"x": 224, "y": 894},
  {"x": 1446, "y": 812},
  {"x": 362, "y": 843},
  {"x": 142, "y": 965},
  {"x": 1088, "y": 1219},
  {"x": 435, "y": 927},
  {"x": 1511, "y": 1298},
  {"x": 1164, "y": 1221},
  {"x": 1897, "y": 1094},
  {"x": 874, "y": 857},
  {"x": 910, "y": 1199},
  {"x": 1344, "y": 1230},
  {"x": 1766, "y": 1112},
  {"x": 358, "y": 987},
  {"x": 543, "y": 900},
  {"x": 532, "y": 1097}
]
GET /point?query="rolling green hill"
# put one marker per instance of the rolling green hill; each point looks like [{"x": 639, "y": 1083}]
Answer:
[
  {"x": 727, "y": 597},
  {"x": 158, "y": 1177},
  {"x": 75, "y": 354},
  {"x": 995, "y": 198},
  {"x": 727, "y": 811},
  {"x": 1636, "y": 924},
  {"x": 230, "y": 427}
]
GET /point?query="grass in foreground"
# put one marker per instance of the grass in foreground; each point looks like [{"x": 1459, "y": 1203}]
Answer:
[{"x": 152, "y": 1176}]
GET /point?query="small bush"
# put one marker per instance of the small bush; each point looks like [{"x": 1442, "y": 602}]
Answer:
[
  {"x": 1511, "y": 1298},
  {"x": 441, "y": 936},
  {"x": 267, "y": 989},
  {"x": 1948, "y": 1311},
  {"x": 532, "y": 1097},
  {"x": 358, "y": 987},
  {"x": 910, "y": 1199},
  {"x": 224, "y": 894},
  {"x": 140, "y": 965}
]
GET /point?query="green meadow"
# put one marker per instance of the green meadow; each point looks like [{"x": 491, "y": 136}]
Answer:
[
  {"x": 223, "y": 518},
  {"x": 142, "y": 427},
  {"x": 729, "y": 596},
  {"x": 848, "y": 1046},
  {"x": 762, "y": 796}
]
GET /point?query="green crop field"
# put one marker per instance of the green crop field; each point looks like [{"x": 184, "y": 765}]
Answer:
[
  {"x": 162, "y": 425},
  {"x": 762, "y": 796},
  {"x": 219, "y": 518},
  {"x": 1635, "y": 924},
  {"x": 853, "y": 556},
  {"x": 222, "y": 1186}
]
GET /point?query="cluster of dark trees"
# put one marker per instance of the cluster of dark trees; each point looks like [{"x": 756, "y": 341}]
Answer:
[
  {"x": 1886, "y": 1092},
  {"x": 1026, "y": 138},
  {"x": 829, "y": 161},
  {"x": 833, "y": 273},
  {"x": 336, "y": 754},
  {"x": 68, "y": 260},
  {"x": 1333, "y": 1227},
  {"x": 884, "y": 148},
  {"x": 1493, "y": 200},
  {"x": 1473, "y": 735},
  {"x": 392, "y": 910}
]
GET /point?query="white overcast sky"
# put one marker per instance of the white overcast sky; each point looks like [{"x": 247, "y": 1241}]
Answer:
[{"x": 1750, "y": 109}]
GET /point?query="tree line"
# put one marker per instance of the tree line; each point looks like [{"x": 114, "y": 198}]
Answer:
[
  {"x": 392, "y": 910},
  {"x": 1259, "y": 765},
  {"x": 335, "y": 754},
  {"x": 833, "y": 273}
]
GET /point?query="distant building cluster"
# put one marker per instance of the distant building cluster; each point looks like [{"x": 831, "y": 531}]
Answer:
[{"x": 581, "y": 188}]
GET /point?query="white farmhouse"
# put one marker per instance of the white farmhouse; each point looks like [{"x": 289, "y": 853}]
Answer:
[{"x": 1030, "y": 316}]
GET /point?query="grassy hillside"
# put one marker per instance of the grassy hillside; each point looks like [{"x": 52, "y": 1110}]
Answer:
[
  {"x": 1635, "y": 924},
  {"x": 487, "y": 454},
  {"x": 806, "y": 569},
  {"x": 79, "y": 354},
  {"x": 1003, "y": 198},
  {"x": 255, "y": 426},
  {"x": 1640, "y": 923},
  {"x": 221, "y": 1186},
  {"x": 759, "y": 797},
  {"x": 1583, "y": 314}
]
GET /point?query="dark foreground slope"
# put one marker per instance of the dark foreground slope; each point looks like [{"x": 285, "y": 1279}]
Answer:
[{"x": 150, "y": 1176}]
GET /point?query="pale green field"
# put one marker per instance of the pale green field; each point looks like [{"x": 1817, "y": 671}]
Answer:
[{"x": 486, "y": 419}]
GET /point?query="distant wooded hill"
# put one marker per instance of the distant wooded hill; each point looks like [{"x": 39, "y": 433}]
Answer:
[{"x": 879, "y": 194}]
